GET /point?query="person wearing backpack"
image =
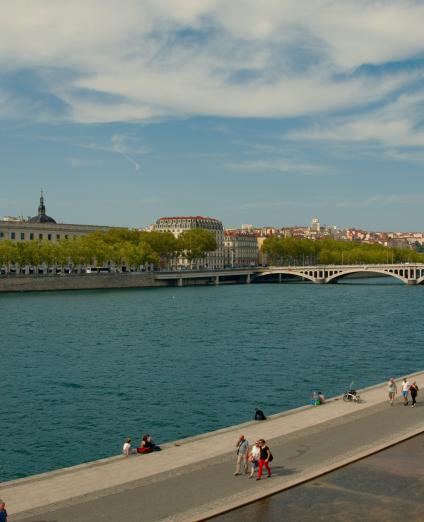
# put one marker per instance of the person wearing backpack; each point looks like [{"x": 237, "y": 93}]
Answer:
[{"x": 265, "y": 457}]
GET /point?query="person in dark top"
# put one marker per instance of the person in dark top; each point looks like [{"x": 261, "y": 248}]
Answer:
[
  {"x": 146, "y": 444},
  {"x": 154, "y": 446},
  {"x": 3, "y": 512},
  {"x": 265, "y": 457},
  {"x": 259, "y": 415},
  {"x": 413, "y": 390}
]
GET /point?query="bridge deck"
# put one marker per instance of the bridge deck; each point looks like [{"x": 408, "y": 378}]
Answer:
[{"x": 406, "y": 272}]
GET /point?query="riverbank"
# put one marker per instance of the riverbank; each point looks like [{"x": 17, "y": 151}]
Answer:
[
  {"x": 409, "y": 274},
  {"x": 45, "y": 283},
  {"x": 195, "y": 475},
  {"x": 98, "y": 281}
]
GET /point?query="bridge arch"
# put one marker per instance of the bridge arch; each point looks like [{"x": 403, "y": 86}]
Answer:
[
  {"x": 289, "y": 272},
  {"x": 395, "y": 273}
]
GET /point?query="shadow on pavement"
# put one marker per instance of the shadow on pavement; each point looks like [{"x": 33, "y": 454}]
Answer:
[{"x": 282, "y": 471}]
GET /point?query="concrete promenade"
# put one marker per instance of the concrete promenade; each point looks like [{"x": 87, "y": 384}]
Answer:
[{"x": 193, "y": 479}]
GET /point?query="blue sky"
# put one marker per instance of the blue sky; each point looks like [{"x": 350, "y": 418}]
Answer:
[{"x": 266, "y": 112}]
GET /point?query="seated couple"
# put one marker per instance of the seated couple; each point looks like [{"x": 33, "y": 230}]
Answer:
[{"x": 146, "y": 446}]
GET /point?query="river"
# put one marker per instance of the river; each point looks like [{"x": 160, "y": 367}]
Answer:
[{"x": 80, "y": 371}]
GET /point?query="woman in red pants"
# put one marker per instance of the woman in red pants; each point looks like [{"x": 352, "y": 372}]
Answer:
[{"x": 265, "y": 458}]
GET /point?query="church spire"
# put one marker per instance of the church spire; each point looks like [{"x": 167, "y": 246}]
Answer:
[
  {"x": 42, "y": 217},
  {"x": 41, "y": 207}
]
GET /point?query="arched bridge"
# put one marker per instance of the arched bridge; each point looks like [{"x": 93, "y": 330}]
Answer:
[
  {"x": 408, "y": 273},
  {"x": 411, "y": 274}
]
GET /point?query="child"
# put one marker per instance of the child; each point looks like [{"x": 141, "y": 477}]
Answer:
[
  {"x": 3, "y": 512},
  {"x": 126, "y": 450}
]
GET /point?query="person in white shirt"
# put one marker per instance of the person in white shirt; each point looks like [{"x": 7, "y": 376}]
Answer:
[
  {"x": 405, "y": 391},
  {"x": 254, "y": 454},
  {"x": 126, "y": 449}
]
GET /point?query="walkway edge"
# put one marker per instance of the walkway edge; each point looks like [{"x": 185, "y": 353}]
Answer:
[
  {"x": 231, "y": 505},
  {"x": 186, "y": 440}
]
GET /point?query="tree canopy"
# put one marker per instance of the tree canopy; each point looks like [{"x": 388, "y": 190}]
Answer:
[
  {"x": 332, "y": 252},
  {"x": 196, "y": 242},
  {"x": 119, "y": 246}
]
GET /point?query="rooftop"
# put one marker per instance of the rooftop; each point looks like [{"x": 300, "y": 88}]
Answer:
[{"x": 190, "y": 218}]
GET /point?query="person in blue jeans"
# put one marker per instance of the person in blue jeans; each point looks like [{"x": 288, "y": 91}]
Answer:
[{"x": 3, "y": 512}]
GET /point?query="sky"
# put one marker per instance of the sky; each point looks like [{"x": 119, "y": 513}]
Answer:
[{"x": 267, "y": 113}]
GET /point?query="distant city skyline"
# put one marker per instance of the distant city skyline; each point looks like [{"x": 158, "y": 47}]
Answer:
[
  {"x": 314, "y": 225},
  {"x": 267, "y": 113}
]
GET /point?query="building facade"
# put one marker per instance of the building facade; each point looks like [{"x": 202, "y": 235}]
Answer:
[
  {"x": 240, "y": 249},
  {"x": 179, "y": 224},
  {"x": 42, "y": 228}
]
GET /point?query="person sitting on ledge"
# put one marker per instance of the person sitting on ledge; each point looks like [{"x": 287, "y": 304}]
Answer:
[
  {"x": 259, "y": 415},
  {"x": 321, "y": 397},
  {"x": 126, "y": 449},
  {"x": 147, "y": 445},
  {"x": 154, "y": 446}
]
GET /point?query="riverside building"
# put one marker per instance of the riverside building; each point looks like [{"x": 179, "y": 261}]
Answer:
[
  {"x": 179, "y": 224},
  {"x": 240, "y": 249},
  {"x": 42, "y": 228}
]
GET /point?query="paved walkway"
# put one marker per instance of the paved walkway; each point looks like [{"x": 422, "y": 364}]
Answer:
[
  {"x": 193, "y": 479},
  {"x": 385, "y": 487}
]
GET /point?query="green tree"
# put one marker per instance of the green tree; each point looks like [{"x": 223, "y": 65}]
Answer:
[
  {"x": 196, "y": 243},
  {"x": 164, "y": 244},
  {"x": 8, "y": 253}
]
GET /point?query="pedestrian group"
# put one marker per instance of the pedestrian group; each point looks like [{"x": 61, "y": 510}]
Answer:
[
  {"x": 254, "y": 457},
  {"x": 408, "y": 389}
]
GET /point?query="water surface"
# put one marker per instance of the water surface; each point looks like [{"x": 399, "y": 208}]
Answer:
[{"x": 80, "y": 371}]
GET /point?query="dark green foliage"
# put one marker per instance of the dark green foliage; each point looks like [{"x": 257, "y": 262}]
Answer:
[
  {"x": 332, "y": 252},
  {"x": 120, "y": 246}
]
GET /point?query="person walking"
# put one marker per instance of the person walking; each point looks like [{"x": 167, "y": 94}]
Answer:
[
  {"x": 392, "y": 389},
  {"x": 242, "y": 453},
  {"x": 265, "y": 457},
  {"x": 253, "y": 458},
  {"x": 405, "y": 390},
  {"x": 3, "y": 512},
  {"x": 413, "y": 390}
]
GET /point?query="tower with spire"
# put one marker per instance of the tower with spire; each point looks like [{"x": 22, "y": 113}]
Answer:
[{"x": 42, "y": 217}]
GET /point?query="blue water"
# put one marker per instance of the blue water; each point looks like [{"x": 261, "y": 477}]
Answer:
[{"x": 80, "y": 371}]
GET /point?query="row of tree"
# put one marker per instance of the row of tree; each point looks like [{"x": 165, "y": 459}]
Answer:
[
  {"x": 331, "y": 252},
  {"x": 121, "y": 247}
]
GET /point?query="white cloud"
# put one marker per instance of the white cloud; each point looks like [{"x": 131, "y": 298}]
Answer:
[
  {"x": 82, "y": 162},
  {"x": 134, "y": 60},
  {"x": 413, "y": 198},
  {"x": 397, "y": 124},
  {"x": 282, "y": 165}
]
